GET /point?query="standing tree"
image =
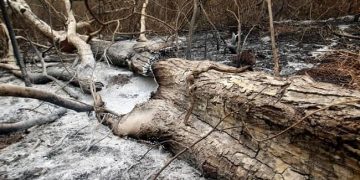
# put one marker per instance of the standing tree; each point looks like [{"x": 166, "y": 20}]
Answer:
[
  {"x": 142, "y": 36},
  {"x": 191, "y": 29},
  {"x": 273, "y": 41},
  {"x": 11, "y": 35}
]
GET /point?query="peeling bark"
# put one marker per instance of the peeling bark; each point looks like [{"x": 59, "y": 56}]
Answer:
[{"x": 323, "y": 146}]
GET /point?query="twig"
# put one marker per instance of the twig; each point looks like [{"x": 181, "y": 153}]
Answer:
[
  {"x": 37, "y": 44},
  {"x": 213, "y": 26},
  {"x": 151, "y": 148},
  {"x": 44, "y": 71},
  {"x": 247, "y": 35},
  {"x": 158, "y": 20},
  {"x": 68, "y": 134},
  {"x": 33, "y": 110}
]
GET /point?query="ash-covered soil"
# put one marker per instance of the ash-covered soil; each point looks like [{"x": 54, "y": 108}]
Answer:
[{"x": 301, "y": 44}]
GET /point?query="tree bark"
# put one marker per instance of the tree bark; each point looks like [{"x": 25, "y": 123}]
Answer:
[{"x": 252, "y": 106}]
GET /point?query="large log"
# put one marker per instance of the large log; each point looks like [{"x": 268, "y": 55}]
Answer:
[{"x": 251, "y": 107}]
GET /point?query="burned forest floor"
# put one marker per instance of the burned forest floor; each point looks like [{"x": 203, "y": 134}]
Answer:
[
  {"x": 315, "y": 48},
  {"x": 77, "y": 146}
]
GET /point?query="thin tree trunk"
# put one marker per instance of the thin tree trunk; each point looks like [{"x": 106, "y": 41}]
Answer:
[
  {"x": 15, "y": 47},
  {"x": 142, "y": 36},
  {"x": 273, "y": 41},
  {"x": 191, "y": 30}
]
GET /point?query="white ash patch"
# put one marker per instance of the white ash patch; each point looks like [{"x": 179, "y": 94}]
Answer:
[
  {"x": 318, "y": 53},
  {"x": 343, "y": 27},
  {"x": 265, "y": 39}
]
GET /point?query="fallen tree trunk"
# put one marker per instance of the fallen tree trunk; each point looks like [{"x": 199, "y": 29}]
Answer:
[{"x": 321, "y": 137}]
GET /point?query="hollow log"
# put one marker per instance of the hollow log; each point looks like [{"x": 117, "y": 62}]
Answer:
[{"x": 321, "y": 120}]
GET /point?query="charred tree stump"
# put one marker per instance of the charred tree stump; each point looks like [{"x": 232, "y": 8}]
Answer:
[{"x": 322, "y": 140}]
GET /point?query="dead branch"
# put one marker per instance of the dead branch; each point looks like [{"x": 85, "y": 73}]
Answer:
[
  {"x": 345, "y": 34},
  {"x": 23, "y": 125},
  {"x": 87, "y": 61},
  {"x": 27, "y": 92},
  {"x": 44, "y": 72}
]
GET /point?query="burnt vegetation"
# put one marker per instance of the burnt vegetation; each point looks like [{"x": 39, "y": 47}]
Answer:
[{"x": 246, "y": 89}]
